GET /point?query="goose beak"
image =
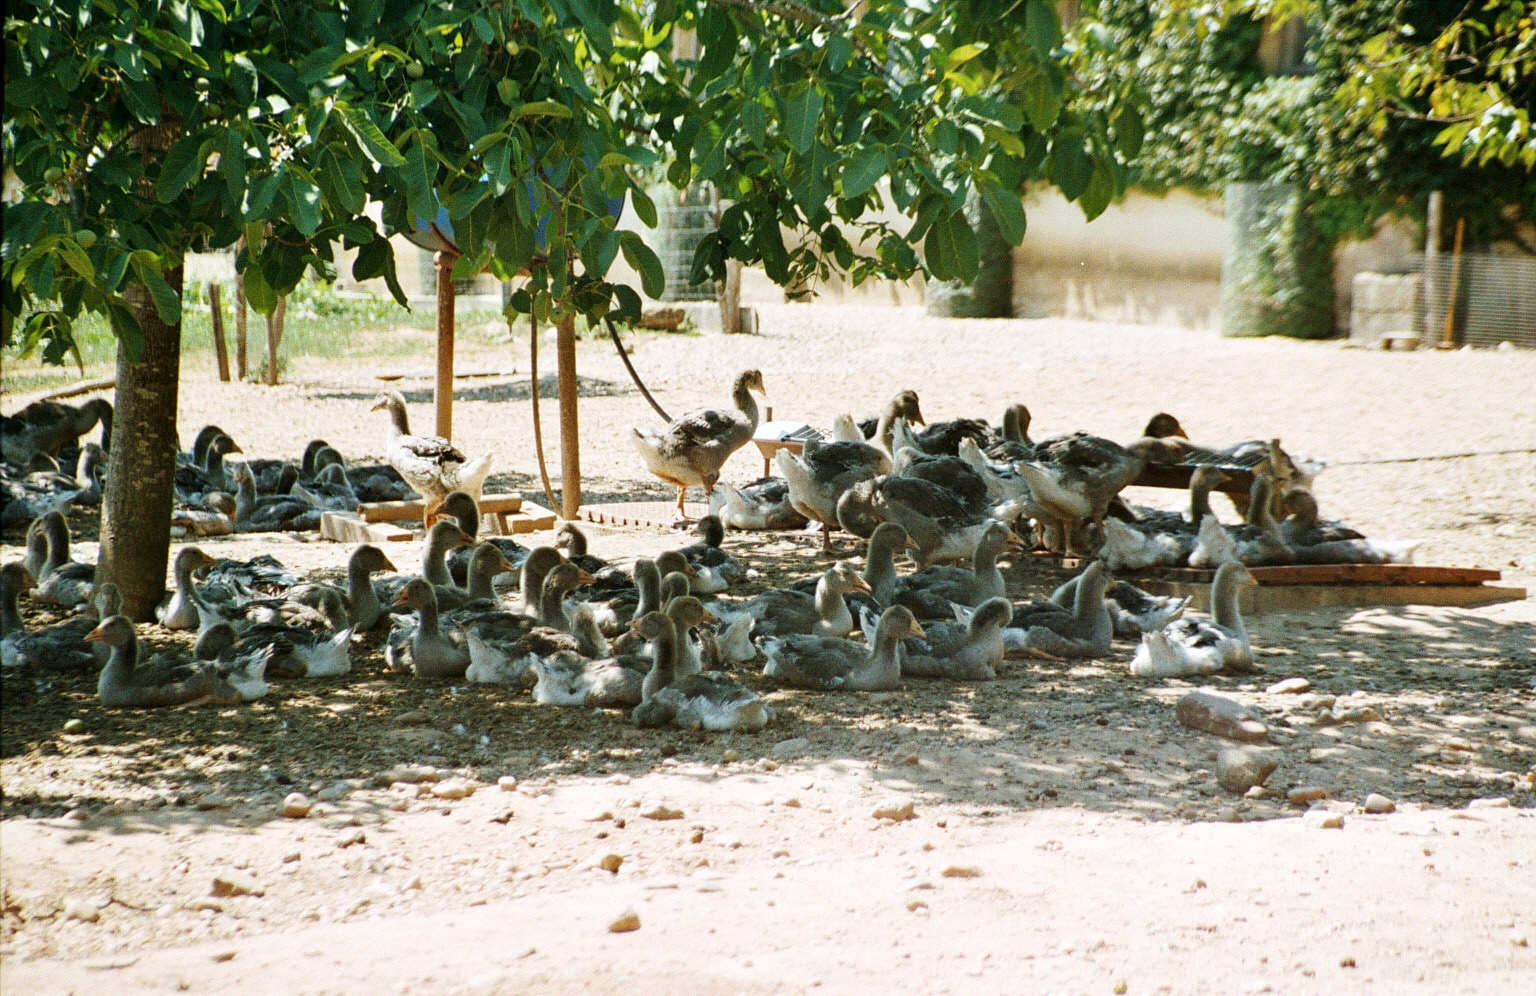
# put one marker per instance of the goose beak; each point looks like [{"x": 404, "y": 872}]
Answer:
[
  {"x": 916, "y": 629},
  {"x": 1016, "y": 544},
  {"x": 861, "y": 586},
  {"x": 381, "y": 403},
  {"x": 98, "y": 634},
  {"x": 584, "y": 577},
  {"x": 401, "y": 600},
  {"x": 389, "y": 565},
  {"x": 506, "y": 565},
  {"x": 710, "y": 617}
]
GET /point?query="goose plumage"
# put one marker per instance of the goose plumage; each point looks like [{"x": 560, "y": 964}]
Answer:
[
  {"x": 826, "y": 663},
  {"x": 693, "y": 447},
  {"x": 1199, "y": 646},
  {"x": 431, "y": 465}
]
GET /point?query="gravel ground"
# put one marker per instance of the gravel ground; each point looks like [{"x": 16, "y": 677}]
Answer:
[{"x": 780, "y": 874}]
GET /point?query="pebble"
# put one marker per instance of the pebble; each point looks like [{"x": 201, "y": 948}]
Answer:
[
  {"x": 663, "y": 813},
  {"x": 1493, "y": 802},
  {"x": 77, "y": 815},
  {"x": 1305, "y": 795},
  {"x": 352, "y": 837},
  {"x": 962, "y": 871},
  {"x": 1377, "y": 803},
  {"x": 1239, "y": 769},
  {"x": 896, "y": 813},
  {"x": 1290, "y": 686},
  {"x": 1323, "y": 819},
  {"x": 296, "y": 806},
  {"x": 411, "y": 774},
  {"x": 236, "y": 883},
  {"x": 332, "y": 793},
  {"x": 507, "y": 783},
  {"x": 791, "y": 747},
  {"x": 74, "y": 726},
  {"x": 611, "y": 863},
  {"x": 213, "y": 800},
  {"x": 417, "y": 718},
  {"x": 1221, "y": 716},
  {"x": 86, "y": 909},
  {"x": 627, "y": 921},
  {"x": 453, "y": 788}
]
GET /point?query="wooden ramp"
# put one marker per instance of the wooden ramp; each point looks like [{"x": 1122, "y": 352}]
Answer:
[
  {"x": 1314, "y": 586},
  {"x": 393, "y": 521}
]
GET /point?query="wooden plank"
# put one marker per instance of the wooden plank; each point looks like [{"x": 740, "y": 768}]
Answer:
[
  {"x": 415, "y": 508},
  {"x": 530, "y": 518},
  {"x": 345, "y": 527},
  {"x": 1161, "y": 475},
  {"x": 1372, "y": 574},
  {"x": 1260, "y": 599}
]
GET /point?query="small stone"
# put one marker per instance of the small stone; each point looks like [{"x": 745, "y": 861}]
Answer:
[
  {"x": 351, "y": 837},
  {"x": 213, "y": 800},
  {"x": 507, "y": 783},
  {"x": 697, "y": 837},
  {"x": 236, "y": 883},
  {"x": 791, "y": 747},
  {"x": 296, "y": 806},
  {"x": 1290, "y": 686},
  {"x": 223, "y": 956},
  {"x": 77, "y": 815},
  {"x": 453, "y": 788},
  {"x": 1239, "y": 769},
  {"x": 664, "y": 813},
  {"x": 896, "y": 813},
  {"x": 911, "y": 760},
  {"x": 610, "y": 863},
  {"x": 1305, "y": 795},
  {"x": 1492, "y": 802},
  {"x": 291, "y": 857},
  {"x": 332, "y": 793},
  {"x": 1323, "y": 819},
  {"x": 86, "y": 910},
  {"x": 627, "y": 921},
  {"x": 962, "y": 871},
  {"x": 1347, "y": 713},
  {"x": 730, "y": 756},
  {"x": 1377, "y": 803},
  {"x": 416, "y": 718},
  {"x": 1221, "y": 716},
  {"x": 74, "y": 726}
]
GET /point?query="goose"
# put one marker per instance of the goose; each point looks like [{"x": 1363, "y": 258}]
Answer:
[
  {"x": 1315, "y": 542},
  {"x": 880, "y": 562},
  {"x": 1131, "y": 610},
  {"x": 693, "y": 448},
  {"x": 230, "y": 653},
  {"x": 566, "y": 678},
  {"x": 1073, "y": 479},
  {"x": 1197, "y": 646},
  {"x": 426, "y": 649},
  {"x": 714, "y": 569},
  {"x": 606, "y": 578},
  {"x": 181, "y": 609},
  {"x": 558, "y": 583},
  {"x": 1053, "y": 632},
  {"x": 62, "y": 582},
  {"x": 270, "y": 513},
  {"x": 826, "y": 663},
  {"x": 125, "y": 683},
  {"x": 442, "y": 536},
  {"x": 613, "y": 614},
  {"x": 819, "y": 474},
  {"x": 785, "y": 611},
  {"x": 929, "y": 591},
  {"x": 709, "y": 701},
  {"x": 59, "y": 647},
  {"x": 214, "y": 516},
  {"x": 499, "y": 652},
  {"x": 903, "y": 405},
  {"x": 845, "y": 430},
  {"x": 309, "y": 461},
  {"x": 313, "y": 650},
  {"x": 940, "y": 526},
  {"x": 541, "y": 560},
  {"x": 964, "y": 650},
  {"x": 360, "y": 598},
  {"x": 1253, "y": 543},
  {"x": 1012, "y": 443},
  {"x": 431, "y": 465},
  {"x": 198, "y": 456},
  {"x": 37, "y": 549},
  {"x": 763, "y": 504},
  {"x": 688, "y": 614},
  {"x": 462, "y": 508},
  {"x": 46, "y": 427},
  {"x": 210, "y": 473},
  {"x": 1165, "y": 539}
]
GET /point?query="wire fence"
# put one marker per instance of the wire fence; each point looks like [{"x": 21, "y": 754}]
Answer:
[{"x": 1493, "y": 297}]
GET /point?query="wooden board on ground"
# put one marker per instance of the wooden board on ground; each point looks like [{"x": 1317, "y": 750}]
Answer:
[
  {"x": 346, "y": 527},
  {"x": 530, "y": 517},
  {"x": 415, "y": 508},
  {"x": 641, "y": 513}
]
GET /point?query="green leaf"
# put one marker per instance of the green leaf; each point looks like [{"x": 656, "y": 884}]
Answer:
[
  {"x": 142, "y": 100},
  {"x": 371, "y": 138},
  {"x": 76, "y": 259},
  {"x": 1129, "y": 132},
  {"x": 1041, "y": 104},
  {"x": 304, "y": 199},
  {"x": 1071, "y": 169},
  {"x": 644, "y": 261},
  {"x": 645, "y": 208},
  {"x": 802, "y": 115},
  {"x": 952, "y": 249},
  {"x": 183, "y": 162},
  {"x": 167, "y": 301},
  {"x": 258, "y": 293},
  {"x": 709, "y": 152},
  {"x": 1006, "y": 209},
  {"x": 1041, "y": 27},
  {"x": 543, "y": 108},
  {"x": 754, "y": 121},
  {"x": 864, "y": 170},
  {"x": 1100, "y": 191},
  {"x": 717, "y": 33}
]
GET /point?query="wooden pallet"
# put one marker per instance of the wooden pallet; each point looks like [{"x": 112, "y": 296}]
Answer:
[
  {"x": 380, "y": 522},
  {"x": 659, "y": 514}
]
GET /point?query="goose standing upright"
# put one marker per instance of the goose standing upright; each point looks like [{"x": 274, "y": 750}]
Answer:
[
  {"x": 693, "y": 448},
  {"x": 431, "y": 465}
]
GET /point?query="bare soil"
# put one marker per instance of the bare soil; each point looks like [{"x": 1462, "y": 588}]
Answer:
[{"x": 1054, "y": 830}]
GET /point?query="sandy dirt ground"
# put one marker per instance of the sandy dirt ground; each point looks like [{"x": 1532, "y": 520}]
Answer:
[{"x": 1055, "y": 830}]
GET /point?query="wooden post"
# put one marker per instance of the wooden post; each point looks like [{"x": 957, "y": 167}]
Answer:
[
  {"x": 240, "y": 317},
  {"x": 1432, "y": 235},
  {"x": 570, "y": 441},
  {"x": 730, "y": 287},
  {"x": 216, "y": 313},
  {"x": 1448, "y": 336},
  {"x": 445, "y": 305},
  {"x": 275, "y": 337}
]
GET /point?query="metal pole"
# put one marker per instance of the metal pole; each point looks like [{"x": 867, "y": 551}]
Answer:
[
  {"x": 570, "y": 439},
  {"x": 445, "y": 302}
]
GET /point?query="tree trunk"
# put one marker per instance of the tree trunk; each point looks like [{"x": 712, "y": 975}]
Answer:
[
  {"x": 141, "y": 471},
  {"x": 240, "y": 322},
  {"x": 216, "y": 314},
  {"x": 990, "y": 295},
  {"x": 275, "y": 338}
]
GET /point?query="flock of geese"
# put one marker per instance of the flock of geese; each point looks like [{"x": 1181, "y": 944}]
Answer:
[{"x": 664, "y": 639}]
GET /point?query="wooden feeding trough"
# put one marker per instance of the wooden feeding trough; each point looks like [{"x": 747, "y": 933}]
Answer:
[
  {"x": 1316, "y": 586},
  {"x": 772, "y": 436},
  {"x": 382, "y": 521}
]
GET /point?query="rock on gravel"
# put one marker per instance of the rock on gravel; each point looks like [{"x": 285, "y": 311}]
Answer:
[
  {"x": 1221, "y": 716},
  {"x": 296, "y": 806},
  {"x": 1239, "y": 769}
]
